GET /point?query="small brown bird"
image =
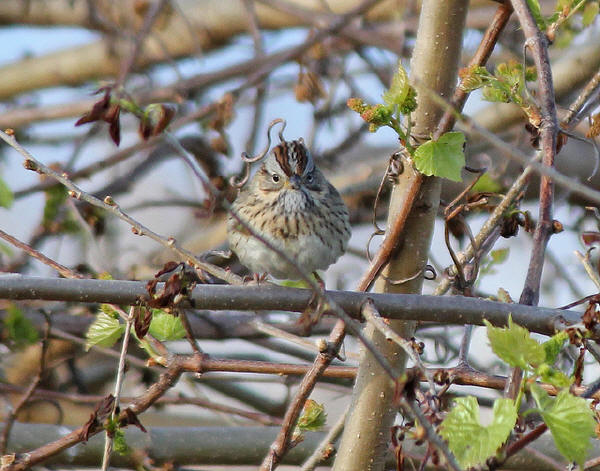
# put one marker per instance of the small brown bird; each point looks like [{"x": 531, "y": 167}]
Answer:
[{"x": 291, "y": 204}]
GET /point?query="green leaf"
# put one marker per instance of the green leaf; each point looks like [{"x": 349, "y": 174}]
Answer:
[
  {"x": 536, "y": 11},
  {"x": 471, "y": 442},
  {"x": 496, "y": 95},
  {"x": 165, "y": 327},
  {"x": 553, "y": 376},
  {"x": 6, "y": 195},
  {"x": 554, "y": 345},
  {"x": 486, "y": 184},
  {"x": 570, "y": 421},
  {"x": 104, "y": 331},
  {"x": 19, "y": 329},
  {"x": 119, "y": 443},
  {"x": 399, "y": 88},
  {"x": 313, "y": 416},
  {"x": 499, "y": 255},
  {"x": 589, "y": 13},
  {"x": 5, "y": 249},
  {"x": 514, "y": 345},
  {"x": 443, "y": 158}
]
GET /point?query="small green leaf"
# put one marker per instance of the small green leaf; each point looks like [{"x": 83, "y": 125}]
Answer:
[
  {"x": 486, "y": 184},
  {"x": 553, "y": 376},
  {"x": 474, "y": 77},
  {"x": 165, "y": 327},
  {"x": 589, "y": 13},
  {"x": 19, "y": 329},
  {"x": 6, "y": 195},
  {"x": 399, "y": 88},
  {"x": 496, "y": 95},
  {"x": 536, "y": 11},
  {"x": 570, "y": 421},
  {"x": 514, "y": 345},
  {"x": 5, "y": 249},
  {"x": 554, "y": 345},
  {"x": 499, "y": 255},
  {"x": 119, "y": 443},
  {"x": 313, "y": 416},
  {"x": 471, "y": 442},
  {"x": 443, "y": 158},
  {"x": 104, "y": 331}
]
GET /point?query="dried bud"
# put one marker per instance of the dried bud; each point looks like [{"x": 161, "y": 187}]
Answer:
[
  {"x": 30, "y": 165},
  {"x": 223, "y": 113},
  {"x": 594, "y": 130},
  {"x": 171, "y": 242},
  {"x": 219, "y": 144},
  {"x": 109, "y": 201},
  {"x": 9, "y": 131},
  {"x": 157, "y": 116},
  {"x": 135, "y": 231},
  {"x": 322, "y": 345},
  {"x": 557, "y": 227},
  {"x": 309, "y": 87}
]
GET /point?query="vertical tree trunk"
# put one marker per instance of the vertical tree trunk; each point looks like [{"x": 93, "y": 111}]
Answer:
[{"x": 434, "y": 67}]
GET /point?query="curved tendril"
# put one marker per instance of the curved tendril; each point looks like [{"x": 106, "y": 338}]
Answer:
[
  {"x": 371, "y": 237},
  {"x": 401, "y": 281},
  {"x": 272, "y": 124},
  {"x": 238, "y": 183},
  {"x": 233, "y": 181}
]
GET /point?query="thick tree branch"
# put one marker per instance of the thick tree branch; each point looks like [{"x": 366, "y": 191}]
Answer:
[{"x": 447, "y": 310}]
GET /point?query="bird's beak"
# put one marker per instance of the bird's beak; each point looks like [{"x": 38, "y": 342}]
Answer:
[{"x": 295, "y": 182}]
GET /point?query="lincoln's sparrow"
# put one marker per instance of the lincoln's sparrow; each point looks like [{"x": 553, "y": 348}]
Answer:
[{"x": 291, "y": 204}]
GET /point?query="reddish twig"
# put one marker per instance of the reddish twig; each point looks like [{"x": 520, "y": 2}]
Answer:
[{"x": 537, "y": 43}]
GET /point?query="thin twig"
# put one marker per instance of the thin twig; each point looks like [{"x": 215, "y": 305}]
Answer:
[
  {"x": 93, "y": 399},
  {"x": 64, "y": 271},
  {"x": 589, "y": 269},
  {"x": 32, "y": 163},
  {"x": 118, "y": 386}
]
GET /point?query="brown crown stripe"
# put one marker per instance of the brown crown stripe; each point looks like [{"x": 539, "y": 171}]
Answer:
[{"x": 291, "y": 157}]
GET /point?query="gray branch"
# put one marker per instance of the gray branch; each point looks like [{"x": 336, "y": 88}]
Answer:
[{"x": 447, "y": 310}]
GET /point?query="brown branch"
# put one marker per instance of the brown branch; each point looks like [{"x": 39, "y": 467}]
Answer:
[
  {"x": 537, "y": 43},
  {"x": 92, "y": 399}
]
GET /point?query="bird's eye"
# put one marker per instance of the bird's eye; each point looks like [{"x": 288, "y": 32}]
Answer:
[
  {"x": 275, "y": 178},
  {"x": 309, "y": 178}
]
